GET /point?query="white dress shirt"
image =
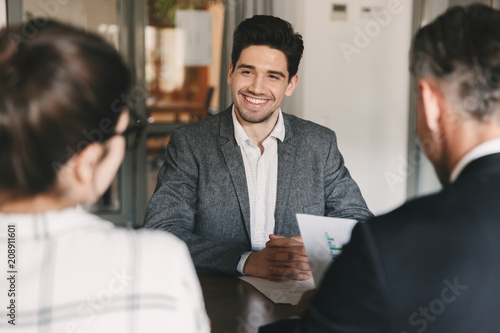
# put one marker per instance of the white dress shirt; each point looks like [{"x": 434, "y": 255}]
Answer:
[
  {"x": 485, "y": 148},
  {"x": 261, "y": 170}
]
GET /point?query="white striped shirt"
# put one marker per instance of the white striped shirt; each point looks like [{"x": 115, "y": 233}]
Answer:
[{"x": 74, "y": 272}]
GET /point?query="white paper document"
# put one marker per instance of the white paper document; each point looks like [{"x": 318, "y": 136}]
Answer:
[
  {"x": 281, "y": 292},
  {"x": 323, "y": 239}
]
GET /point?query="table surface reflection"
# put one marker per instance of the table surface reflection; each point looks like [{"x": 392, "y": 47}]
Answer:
[{"x": 235, "y": 306}]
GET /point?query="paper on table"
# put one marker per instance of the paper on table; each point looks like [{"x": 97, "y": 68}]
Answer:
[
  {"x": 323, "y": 239},
  {"x": 281, "y": 292}
]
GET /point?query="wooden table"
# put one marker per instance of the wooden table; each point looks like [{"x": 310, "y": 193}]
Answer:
[{"x": 234, "y": 306}]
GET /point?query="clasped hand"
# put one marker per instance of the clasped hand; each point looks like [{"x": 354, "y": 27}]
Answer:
[{"x": 283, "y": 258}]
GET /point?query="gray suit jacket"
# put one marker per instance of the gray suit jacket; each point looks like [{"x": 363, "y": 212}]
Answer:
[{"x": 202, "y": 197}]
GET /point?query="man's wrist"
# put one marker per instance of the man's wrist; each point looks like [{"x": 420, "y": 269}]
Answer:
[{"x": 243, "y": 259}]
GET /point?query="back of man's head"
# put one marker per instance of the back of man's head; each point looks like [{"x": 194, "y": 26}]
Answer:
[
  {"x": 460, "y": 50},
  {"x": 269, "y": 31}
]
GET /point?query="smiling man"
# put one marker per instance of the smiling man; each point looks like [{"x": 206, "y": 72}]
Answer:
[{"x": 232, "y": 183}]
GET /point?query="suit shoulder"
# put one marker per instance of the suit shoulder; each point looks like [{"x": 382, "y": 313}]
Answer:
[
  {"x": 308, "y": 128},
  {"x": 414, "y": 212},
  {"x": 204, "y": 131}
]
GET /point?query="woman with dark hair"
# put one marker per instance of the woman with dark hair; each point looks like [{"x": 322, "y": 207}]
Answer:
[{"x": 61, "y": 144}]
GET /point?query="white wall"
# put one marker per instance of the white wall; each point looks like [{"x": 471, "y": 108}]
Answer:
[{"x": 362, "y": 96}]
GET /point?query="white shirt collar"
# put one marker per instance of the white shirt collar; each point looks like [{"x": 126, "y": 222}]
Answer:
[
  {"x": 241, "y": 136},
  {"x": 485, "y": 148}
]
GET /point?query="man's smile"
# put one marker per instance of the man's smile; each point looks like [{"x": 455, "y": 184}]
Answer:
[{"x": 254, "y": 100}]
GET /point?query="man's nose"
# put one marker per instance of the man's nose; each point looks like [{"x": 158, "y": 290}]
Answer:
[{"x": 258, "y": 85}]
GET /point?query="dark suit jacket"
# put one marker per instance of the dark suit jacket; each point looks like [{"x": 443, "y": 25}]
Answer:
[
  {"x": 432, "y": 265},
  {"x": 202, "y": 197}
]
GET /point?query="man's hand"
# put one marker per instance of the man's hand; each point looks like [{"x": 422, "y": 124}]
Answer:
[
  {"x": 257, "y": 264},
  {"x": 288, "y": 258},
  {"x": 283, "y": 258}
]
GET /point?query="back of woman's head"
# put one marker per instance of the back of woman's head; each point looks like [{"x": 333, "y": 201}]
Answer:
[{"x": 60, "y": 90}]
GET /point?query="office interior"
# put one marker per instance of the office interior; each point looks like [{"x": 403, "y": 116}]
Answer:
[{"x": 353, "y": 78}]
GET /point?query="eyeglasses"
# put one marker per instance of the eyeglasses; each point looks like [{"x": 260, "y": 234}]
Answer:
[{"x": 133, "y": 133}]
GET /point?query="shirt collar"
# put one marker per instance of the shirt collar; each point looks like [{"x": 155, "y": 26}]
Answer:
[
  {"x": 241, "y": 136},
  {"x": 485, "y": 148}
]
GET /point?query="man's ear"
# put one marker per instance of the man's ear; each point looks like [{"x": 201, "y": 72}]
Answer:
[
  {"x": 292, "y": 85},
  {"x": 230, "y": 75},
  {"x": 432, "y": 104}
]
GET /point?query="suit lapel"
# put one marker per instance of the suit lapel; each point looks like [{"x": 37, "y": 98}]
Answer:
[
  {"x": 286, "y": 165},
  {"x": 232, "y": 156}
]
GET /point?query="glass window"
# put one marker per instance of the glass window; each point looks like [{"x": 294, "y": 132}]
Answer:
[{"x": 183, "y": 43}]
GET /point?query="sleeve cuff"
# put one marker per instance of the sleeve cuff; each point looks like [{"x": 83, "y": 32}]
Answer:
[{"x": 243, "y": 260}]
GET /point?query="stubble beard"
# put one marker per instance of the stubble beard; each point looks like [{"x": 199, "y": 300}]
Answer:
[{"x": 253, "y": 120}]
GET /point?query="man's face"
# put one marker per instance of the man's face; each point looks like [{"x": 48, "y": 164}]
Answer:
[{"x": 259, "y": 83}]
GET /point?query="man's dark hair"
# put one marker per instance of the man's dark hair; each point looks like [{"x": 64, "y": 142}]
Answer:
[
  {"x": 269, "y": 31},
  {"x": 60, "y": 90},
  {"x": 461, "y": 51}
]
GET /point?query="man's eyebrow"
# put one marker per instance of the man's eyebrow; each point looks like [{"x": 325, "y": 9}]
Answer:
[
  {"x": 246, "y": 66},
  {"x": 279, "y": 73}
]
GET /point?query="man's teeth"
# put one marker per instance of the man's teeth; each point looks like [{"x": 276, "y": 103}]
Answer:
[{"x": 255, "y": 101}]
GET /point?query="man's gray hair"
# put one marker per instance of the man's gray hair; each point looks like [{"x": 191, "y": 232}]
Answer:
[{"x": 460, "y": 50}]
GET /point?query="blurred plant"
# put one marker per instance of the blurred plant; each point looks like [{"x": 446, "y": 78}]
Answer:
[{"x": 162, "y": 12}]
